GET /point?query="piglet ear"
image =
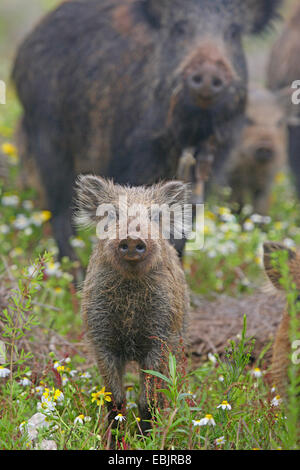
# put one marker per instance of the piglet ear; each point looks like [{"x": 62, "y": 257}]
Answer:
[
  {"x": 259, "y": 14},
  {"x": 175, "y": 192},
  {"x": 273, "y": 274},
  {"x": 155, "y": 9},
  {"x": 91, "y": 191}
]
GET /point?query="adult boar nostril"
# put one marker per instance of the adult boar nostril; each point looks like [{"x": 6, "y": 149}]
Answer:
[{"x": 263, "y": 154}]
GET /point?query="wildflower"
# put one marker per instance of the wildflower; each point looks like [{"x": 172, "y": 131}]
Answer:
[
  {"x": 257, "y": 372},
  {"x": 60, "y": 368},
  {"x": 25, "y": 382},
  {"x": 73, "y": 372},
  {"x": 196, "y": 422},
  {"x": 120, "y": 417},
  {"x": 4, "y": 229},
  {"x": 21, "y": 222},
  {"x": 18, "y": 251},
  {"x": 208, "y": 420},
  {"x": 28, "y": 231},
  {"x": 10, "y": 201},
  {"x": 53, "y": 269},
  {"x": 39, "y": 390},
  {"x": 131, "y": 405},
  {"x": 248, "y": 225},
  {"x": 9, "y": 149},
  {"x": 28, "y": 205},
  {"x": 221, "y": 378},
  {"x": 4, "y": 372},
  {"x": 220, "y": 441},
  {"x": 289, "y": 243},
  {"x": 224, "y": 405},
  {"x": 64, "y": 379},
  {"x": 85, "y": 375},
  {"x": 58, "y": 396},
  {"x": 77, "y": 243},
  {"x": 101, "y": 396},
  {"x": 273, "y": 389},
  {"x": 276, "y": 401},
  {"x": 79, "y": 419},
  {"x": 38, "y": 218},
  {"x": 212, "y": 358},
  {"x": 47, "y": 405}
]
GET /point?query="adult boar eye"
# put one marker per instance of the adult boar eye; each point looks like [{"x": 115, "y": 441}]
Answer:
[
  {"x": 180, "y": 28},
  {"x": 249, "y": 121},
  {"x": 234, "y": 32}
]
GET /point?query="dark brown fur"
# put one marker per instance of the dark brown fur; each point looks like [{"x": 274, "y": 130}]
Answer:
[{"x": 121, "y": 87}]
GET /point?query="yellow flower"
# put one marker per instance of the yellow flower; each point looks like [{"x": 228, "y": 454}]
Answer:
[
  {"x": 224, "y": 211},
  {"x": 60, "y": 368},
  {"x": 46, "y": 215},
  {"x": 11, "y": 151},
  {"x": 58, "y": 395},
  {"x": 278, "y": 225},
  {"x": 8, "y": 149},
  {"x": 280, "y": 178},
  {"x": 210, "y": 215},
  {"x": 101, "y": 396}
]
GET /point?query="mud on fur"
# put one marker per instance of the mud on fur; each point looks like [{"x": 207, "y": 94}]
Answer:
[{"x": 134, "y": 296}]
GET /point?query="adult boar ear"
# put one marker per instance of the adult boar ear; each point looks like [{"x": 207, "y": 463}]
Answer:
[
  {"x": 91, "y": 191},
  {"x": 155, "y": 9},
  {"x": 259, "y": 14},
  {"x": 175, "y": 192},
  {"x": 271, "y": 271}
]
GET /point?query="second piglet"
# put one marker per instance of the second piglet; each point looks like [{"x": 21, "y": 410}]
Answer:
[
  {"x": 135, "y": 298},
  {"x": 260, "y": 153}
]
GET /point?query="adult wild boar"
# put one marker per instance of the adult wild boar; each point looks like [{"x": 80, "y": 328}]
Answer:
[{"x": 121, "y": 87}]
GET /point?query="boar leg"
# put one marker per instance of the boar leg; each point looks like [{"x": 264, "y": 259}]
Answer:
[
  {"x": 56, "y": 171},
  {"x": 112, "y": 368},
  {"x": 294, "y": 154}
]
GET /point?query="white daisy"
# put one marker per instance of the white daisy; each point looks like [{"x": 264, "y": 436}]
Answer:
[
  {"x": 224, "y": 405},
  {"x": 4, "y": 372},
  {"x": 120, "y": 417}
]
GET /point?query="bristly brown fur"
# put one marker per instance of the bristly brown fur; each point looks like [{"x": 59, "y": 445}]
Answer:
[{"x": 131, "y": 312}]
